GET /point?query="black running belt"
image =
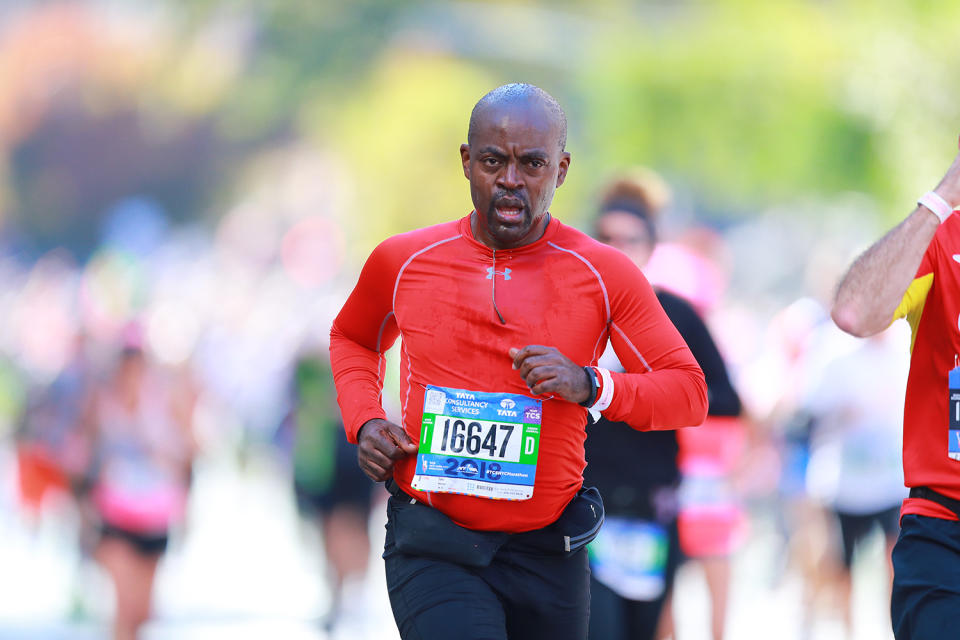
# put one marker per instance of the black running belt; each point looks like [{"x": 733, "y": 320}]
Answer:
[{"x": 933, "y": 496}]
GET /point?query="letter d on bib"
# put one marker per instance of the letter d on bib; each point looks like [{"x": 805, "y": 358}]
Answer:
[{"x": 528, "y": 445}]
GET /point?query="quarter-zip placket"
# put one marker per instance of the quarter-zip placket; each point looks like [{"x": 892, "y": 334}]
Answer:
[{"x": 493, "y": 288}]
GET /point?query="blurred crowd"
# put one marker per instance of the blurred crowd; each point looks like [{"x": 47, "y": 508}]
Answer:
[{"x": 163, "y": 344}]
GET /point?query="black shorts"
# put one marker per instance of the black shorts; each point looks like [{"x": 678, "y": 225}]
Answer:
[
  {"x": 348, "y": 489},
  {"x": 614, "y": 617},
  {"x": 926, "y": 579},
  {"x": 153, "y": 544},
  {"x": 521, "y": 593},
  {"x": 348, "y": 485},
  {"x": 854, "y": 527}
]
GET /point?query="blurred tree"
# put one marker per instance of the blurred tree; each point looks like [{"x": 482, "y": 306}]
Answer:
[
  {"x": 90, "y": 115},
  {"x": 401, "y": 134},
  {"x": 299, "y": 51},
  {"x": 758, "y": 103},
  {"x": 753, "y": 103},
  {"x": 76, "y": 165}
]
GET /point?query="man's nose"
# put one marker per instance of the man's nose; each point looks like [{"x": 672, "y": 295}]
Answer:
[{"x": 510, "y": 177}]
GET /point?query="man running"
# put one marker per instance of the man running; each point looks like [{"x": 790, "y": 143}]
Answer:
[
  {"x": 503, "y": 315},
  {"x": 913, "y": 272}
]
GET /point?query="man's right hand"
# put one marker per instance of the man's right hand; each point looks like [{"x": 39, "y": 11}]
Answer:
[
  {"x": 949, "y": 186},
  {"x": 381, "y": 444},
  {"x": 872, "y": 289}
]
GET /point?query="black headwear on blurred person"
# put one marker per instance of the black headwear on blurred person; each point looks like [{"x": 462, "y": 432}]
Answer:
[{"x": 640, "y": 192}]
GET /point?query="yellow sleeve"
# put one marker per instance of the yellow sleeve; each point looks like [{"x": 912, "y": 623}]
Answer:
[{"x": 911, "y": 306}]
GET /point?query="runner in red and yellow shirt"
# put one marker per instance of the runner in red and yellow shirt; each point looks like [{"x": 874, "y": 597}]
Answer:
[
  {"x": 931, "y": 441},
  {"x": 914, "y": 272}
]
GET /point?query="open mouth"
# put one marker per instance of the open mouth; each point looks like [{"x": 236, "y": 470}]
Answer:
[{"x": 509, "y": 211}]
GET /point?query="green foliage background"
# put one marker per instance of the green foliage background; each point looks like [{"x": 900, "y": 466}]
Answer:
[{"x": 744, "y": 104}]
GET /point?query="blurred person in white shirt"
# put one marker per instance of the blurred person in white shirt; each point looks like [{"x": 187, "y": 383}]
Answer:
[{"x": 855, "y": 468}]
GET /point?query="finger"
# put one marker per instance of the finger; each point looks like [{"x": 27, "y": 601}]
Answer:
[
  {"x": 378, "y": 475},
  {"x": 401, "y": 440},
  {"x": 385, "y": 438},
  {"x": 377, "y": 457},
  {"x": 396, "y": 453},
  {"x": 546, "y": 387},
  {"x": 409, "y": 447},
  {"x": 546, "y": 368},
  {"x": 380, "y": 442},
  {"x": 525, "y": 352},
  {"x": 376, "y": 472},
  {"x": 539, "y": 375},
  {"x": 533, "y": 362},
  {"x": 386, "y": 446},
  {"x": 544, "y": 384}
]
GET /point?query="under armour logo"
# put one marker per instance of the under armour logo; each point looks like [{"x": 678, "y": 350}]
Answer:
[{"x": 505, "y": 273}]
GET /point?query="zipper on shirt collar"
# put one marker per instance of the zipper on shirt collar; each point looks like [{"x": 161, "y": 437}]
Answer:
[{"x": 493, "y": 288}]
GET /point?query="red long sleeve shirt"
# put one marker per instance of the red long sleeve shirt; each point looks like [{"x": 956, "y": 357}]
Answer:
[{"x": 436, "y": 287}]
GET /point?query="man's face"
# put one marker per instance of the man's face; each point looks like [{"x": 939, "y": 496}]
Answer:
[{"x": 514, "y": 164}]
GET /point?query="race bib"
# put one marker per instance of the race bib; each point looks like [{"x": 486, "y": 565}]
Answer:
[
  {"x": 478, "y": 444},
  {"x": 953, "y": 426},
  {"x": 630, "y": 557}
]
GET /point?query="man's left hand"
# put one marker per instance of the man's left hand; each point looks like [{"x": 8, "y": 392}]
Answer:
[{"x": 546, "y": 370}]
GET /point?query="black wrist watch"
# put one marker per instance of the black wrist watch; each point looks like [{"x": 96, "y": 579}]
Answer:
[{"x": 592, "y": 398}]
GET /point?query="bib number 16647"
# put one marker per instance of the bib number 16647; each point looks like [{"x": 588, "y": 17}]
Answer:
[{"x": 477, "y": 438}]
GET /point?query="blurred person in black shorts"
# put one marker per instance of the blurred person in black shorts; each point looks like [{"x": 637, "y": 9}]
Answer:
[
  {"x": 331, "y": 490},
  {"x": 138, "y": 430},
  {"x": 636, "y": 555}
]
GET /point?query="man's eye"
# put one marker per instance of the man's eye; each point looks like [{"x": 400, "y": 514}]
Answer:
[
  {"x": 536, "y": 164},
  {"x": 490, "y": 162}
]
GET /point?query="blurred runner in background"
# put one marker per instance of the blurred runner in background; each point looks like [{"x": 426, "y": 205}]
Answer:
[
  {"x": 636, "y": 555},
  {"x": 331, "y": 490},
  {"x": 48, "y": 432},
  {"x": 804, "y": 341},
  {"x": 855, "y": 468},
  {"x": 141, "y": 447}
]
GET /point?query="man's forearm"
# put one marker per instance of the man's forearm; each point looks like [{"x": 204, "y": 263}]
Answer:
[
  {"x": 664, "y": 399},
  {"x": 869, "y": 293},
  {"x": 358, "y": 374},
  {"x": 873, "y": 287}
]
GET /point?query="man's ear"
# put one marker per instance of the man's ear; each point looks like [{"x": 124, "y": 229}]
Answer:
[
  {"x": 564, "y": 166},
  {"x": 465, "y": 159}
]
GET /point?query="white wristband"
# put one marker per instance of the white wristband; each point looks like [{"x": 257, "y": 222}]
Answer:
[
  {"x": 606, "y": 396},
  {"x": 940, "y": 207}
]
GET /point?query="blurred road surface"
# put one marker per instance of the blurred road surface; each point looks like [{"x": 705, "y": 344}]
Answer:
[{"x": 248, "y": 569}]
